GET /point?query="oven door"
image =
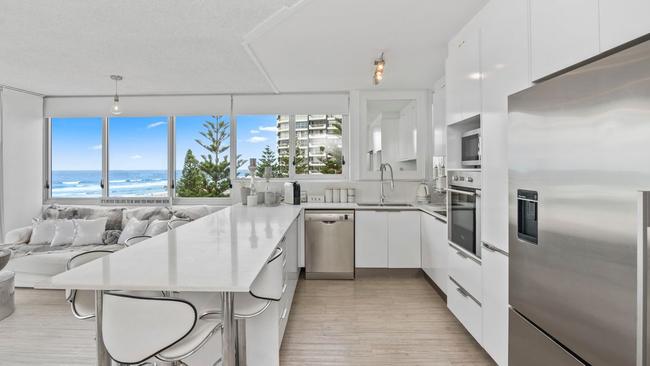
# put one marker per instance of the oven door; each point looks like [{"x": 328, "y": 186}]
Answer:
[{"x": 464, "y": 224}]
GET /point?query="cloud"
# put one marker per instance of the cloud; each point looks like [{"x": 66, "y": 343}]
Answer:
[
  {"x": 135, "y": 157},
  {"x": 96, "y": 147},
  {"x": 268, "y": 128},
  {"x": 256, "y": 139},
  {"x": 255, "y": 131},
  {"x": 156, "y": 124}
]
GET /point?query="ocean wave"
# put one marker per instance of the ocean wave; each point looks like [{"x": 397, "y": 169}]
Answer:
[{"x": 75, "y": 182}]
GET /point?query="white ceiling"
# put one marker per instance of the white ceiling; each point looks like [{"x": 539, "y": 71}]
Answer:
[{"x": 70, "y": 47}]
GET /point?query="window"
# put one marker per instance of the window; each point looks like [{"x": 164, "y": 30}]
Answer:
[
  {"x": 137, "y": 157},
  {"x": 265, "y": 138},
  {"x": 319, "y": 144},
  {"x": 76, "y": 157},
  {"x": 202, "y": 156}
]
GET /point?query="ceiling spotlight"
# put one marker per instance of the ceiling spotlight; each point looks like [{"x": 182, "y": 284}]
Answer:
[
  {"x": 378, "y": 75},
  {"x": 115, "y": 109}
]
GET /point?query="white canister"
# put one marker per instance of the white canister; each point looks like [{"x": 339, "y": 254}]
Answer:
[
  {"x": 336, "y": 195},
  {"x": 328, "y": 195},
  {"x": 351, "y": 195},
  {"x": 344, "y": 195},
  {"x": 251, "y": 200}
]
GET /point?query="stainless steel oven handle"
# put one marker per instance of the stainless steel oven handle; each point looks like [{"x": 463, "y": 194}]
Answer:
[
  {"x": 461, "y": 254},
  {"x": 461, "y": 192}
]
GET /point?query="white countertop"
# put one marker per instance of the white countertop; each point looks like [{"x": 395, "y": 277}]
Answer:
[{"x": 223, "y": 251}]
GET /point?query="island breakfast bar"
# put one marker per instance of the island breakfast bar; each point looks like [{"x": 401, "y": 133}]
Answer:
[{"x": 219, "y": 253}]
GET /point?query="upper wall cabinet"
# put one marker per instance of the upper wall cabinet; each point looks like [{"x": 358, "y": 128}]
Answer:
[
  {"x": 563, "y": 33},
  {"x": 393, "y": 129},
  {"x": 439, "y": 120},
  {"x": 622, "y": 21},
  {"x": 463, "y": 75}
]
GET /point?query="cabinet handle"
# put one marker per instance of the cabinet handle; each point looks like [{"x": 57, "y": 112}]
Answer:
[
  {"x": 284, "y": 288},
  {"x": 494, "y": 249},
  {"x": 462, "y": 292},
  {"x": 284, "y": 314},
  {"x": 462, "y": 255}
]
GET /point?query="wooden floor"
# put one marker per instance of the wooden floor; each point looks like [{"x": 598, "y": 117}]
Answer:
[
  {"x": 375, "y": 321},
  {"x": 369, "y": 321}
]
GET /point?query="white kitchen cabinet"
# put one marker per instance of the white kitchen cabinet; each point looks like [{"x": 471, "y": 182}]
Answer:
[
  {"x": 506, "y": 70},
  {"x": 404, "y": 239},
  {"x": 622, "y": 21},
  {"x": 465, "y": 270},
  {"x": 371, "y": 239},
  {"x": 562, "y": 33},
  {"x": 465, "y": 308},
  {"x": 433, "y": 237},
  {"x": 495, "y": 305},
  {"x": 463, "y": 75},
  {"x": 439, "y": 120}
]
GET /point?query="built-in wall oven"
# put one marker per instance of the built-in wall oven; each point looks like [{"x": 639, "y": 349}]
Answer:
[{"x": 464, "y": 210}]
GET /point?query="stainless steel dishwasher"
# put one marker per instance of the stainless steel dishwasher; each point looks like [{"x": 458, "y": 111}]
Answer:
[{"x": 329, "y": 244}]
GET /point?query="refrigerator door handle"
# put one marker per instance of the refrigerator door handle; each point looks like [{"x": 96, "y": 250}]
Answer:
[{"x": 643, "y": 221}]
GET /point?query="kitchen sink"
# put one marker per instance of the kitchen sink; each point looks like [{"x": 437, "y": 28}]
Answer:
[{"x": 384, "y": 204}]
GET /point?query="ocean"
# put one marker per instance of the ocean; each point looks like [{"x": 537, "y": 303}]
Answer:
[{"x": 121, "y": 183}]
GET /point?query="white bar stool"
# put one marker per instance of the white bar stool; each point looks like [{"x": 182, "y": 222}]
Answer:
[{"x": 135, "y": 329}]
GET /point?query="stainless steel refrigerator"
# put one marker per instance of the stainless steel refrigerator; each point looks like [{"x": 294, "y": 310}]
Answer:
[{"x": 579, "y": 152}]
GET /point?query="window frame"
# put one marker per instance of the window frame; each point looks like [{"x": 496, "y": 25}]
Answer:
[{"x": 171, "y": 197}]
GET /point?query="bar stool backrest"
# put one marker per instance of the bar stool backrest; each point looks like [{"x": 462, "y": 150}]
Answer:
[
  {"x": 269, "y": 283},
  {"x": 137, "y": 328},
  {"x": 83, "y": 301}
]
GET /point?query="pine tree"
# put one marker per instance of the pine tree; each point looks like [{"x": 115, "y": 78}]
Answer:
[
  {"x": 267, "y": 160},
  {"x": 333, "y": 162},
  {"x": 301, "y": 163},
  {"x": 193, "y": 182}
]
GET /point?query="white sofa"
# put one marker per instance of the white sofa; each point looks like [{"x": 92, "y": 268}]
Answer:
[{"x": 33, "y": 263}]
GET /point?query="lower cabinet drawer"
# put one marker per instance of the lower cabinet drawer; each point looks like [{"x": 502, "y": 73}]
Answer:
[
  {"x": 466, "y": 309},
  {"x": 466, "y": 270}
]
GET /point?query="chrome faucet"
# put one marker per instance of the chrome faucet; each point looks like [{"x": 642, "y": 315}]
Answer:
[{"x": 382, "y": 168}]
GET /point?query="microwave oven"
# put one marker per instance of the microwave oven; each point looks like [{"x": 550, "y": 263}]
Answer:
[{"x": 471, "y": 148}]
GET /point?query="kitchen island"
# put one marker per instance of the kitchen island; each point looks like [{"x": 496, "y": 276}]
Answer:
[{"x": 219, "y": 253}]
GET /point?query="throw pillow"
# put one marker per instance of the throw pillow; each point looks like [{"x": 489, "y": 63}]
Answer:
[
  {"x": 134, "y": 227},
  {"x": 111, "y": 236},
  {"x": 42, "y": 232},
  {"x": 89, "y": 232},
  {"x": 146, "y": 213},
  {"x": 18, "y": 236},
  {"x": 63, "y": 233},
  {"x": 192, "y": 212},
  {"x": 156, "y": 227}
]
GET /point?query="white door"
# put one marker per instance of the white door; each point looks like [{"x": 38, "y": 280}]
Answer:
[
  {"x": 622, "y": 21},
  {"x": 495, "y": 305},
  {"x": 371, "y": 239},
  {"x": 563, "y": 33},
  {"x": 404, "y": 239}
]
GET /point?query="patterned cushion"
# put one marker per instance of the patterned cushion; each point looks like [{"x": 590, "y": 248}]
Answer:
[
  {"x": 146, "y": 213},
  {"x": 111, "y": 236},
  {"x": 114, "y": 215}
]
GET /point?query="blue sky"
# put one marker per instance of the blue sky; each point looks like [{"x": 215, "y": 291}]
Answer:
[{"x": 140, "y": 143}]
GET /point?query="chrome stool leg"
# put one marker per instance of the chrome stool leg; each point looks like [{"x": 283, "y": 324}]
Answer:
[{"x": 240, "y": 345}]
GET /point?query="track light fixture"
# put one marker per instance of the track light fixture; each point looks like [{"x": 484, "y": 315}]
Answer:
[
  {"x": 115, "y": 109},
  {"x": 378, "y": 74}
]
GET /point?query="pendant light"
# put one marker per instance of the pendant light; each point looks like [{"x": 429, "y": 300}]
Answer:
[
  {"x": 115, "y": 109},
  {"x": 378, "y": 74}
]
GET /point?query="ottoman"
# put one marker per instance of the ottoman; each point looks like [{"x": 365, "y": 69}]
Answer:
[{"x": 6, "y": 294}]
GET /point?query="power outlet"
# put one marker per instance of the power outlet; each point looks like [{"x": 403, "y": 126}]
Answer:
[{"x": 315, "y": 199}]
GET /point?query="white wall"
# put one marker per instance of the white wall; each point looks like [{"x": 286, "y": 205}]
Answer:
[{"x": 21, "y": 159}]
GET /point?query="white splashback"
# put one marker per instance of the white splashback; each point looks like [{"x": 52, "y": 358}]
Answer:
[{"x": 366, "y": 191}]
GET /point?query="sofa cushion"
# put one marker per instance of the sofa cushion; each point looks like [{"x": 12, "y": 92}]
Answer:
[
  {"x": 114, "y": 214},
  {"x": 191, "y": 212},
  {"x": 63, "y": 232},
  {"x": 156, "y": 227},
  {"x": 146, "y": 213},
  {"x": 133, "y": 228},
  {"x": 89, "y": 232},
  {"x": 42, "y": 232},
  {"x": 18, "y": 236},
  {"x": 111, "y": 236}
]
